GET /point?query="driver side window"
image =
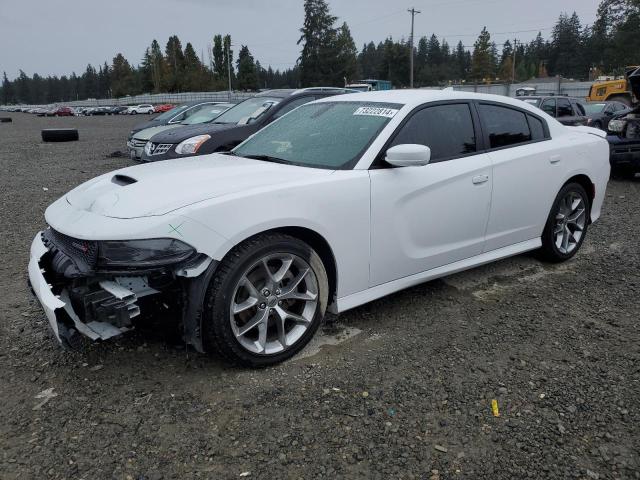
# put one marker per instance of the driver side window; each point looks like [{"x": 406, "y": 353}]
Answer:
[{"x": 446, "y": 129}]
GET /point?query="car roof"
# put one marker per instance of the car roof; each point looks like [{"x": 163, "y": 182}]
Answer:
[
  {"x": 415, "y": 97},
  {"x": 287, "y": 92}
]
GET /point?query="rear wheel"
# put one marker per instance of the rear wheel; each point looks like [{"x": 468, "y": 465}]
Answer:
[
  {"x": 567, "y": 224},
  {"x": 266, "y": 300}
]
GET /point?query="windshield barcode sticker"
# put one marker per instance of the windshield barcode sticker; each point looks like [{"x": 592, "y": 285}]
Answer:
[{"x": 376, "y": 112}]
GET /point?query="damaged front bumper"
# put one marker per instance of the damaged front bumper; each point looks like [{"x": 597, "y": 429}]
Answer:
[{"x": 102, "y": 305}]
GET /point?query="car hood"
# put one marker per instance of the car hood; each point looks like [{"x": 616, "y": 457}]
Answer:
[
  {"x": 634, "y": 80},
  {"x": 148, "y": 124},
  {"x": 147, "y": 133},
  {"x": 178, "y": 135},
  {"x": 161, "y": 187}
]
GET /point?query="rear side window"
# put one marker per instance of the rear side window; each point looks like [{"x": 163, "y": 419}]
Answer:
[
  {"x": 446, "y": 129},
  {"x": 549, "y": 106},
  {"x": 536, "y": 127},
  {"x": 505, "y": 126},
  {"x": 564, "y": 108}
]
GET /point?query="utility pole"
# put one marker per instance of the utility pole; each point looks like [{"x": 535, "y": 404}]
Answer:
[
  {"x": 515, "y": 49},
  {"x": 413, "y": 13},
  {"x": 229, "y": 66}
]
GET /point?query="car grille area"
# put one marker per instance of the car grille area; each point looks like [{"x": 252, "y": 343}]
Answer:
[
  {"x": 158, "y": 148},
  {"x": 137, "y": 143},
  {"x": 70, "y": 257}
]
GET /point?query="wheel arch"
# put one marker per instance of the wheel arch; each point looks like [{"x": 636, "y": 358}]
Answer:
[
  {"x": 585, "y": 182},
  {"x": 322, "y": 248},
  {"x": 316, "y": 241}
]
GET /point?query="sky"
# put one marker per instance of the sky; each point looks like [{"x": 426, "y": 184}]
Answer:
[{"x": 56, "y": 37}]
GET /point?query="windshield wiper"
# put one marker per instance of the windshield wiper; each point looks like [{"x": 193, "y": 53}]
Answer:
[{"x": 266, "y": 158}]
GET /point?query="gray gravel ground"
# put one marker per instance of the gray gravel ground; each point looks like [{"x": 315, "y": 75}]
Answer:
[{"x": 399, "y": 388}]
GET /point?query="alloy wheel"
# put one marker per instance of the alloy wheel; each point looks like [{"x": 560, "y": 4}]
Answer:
[
  {"x": 274, "y": 303},
  {"x": 570, "y": 222}
]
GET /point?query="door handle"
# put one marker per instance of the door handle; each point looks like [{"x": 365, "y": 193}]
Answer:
[
  {"x": 478, "y": 179},
  {"x": 555, "y": 158}
]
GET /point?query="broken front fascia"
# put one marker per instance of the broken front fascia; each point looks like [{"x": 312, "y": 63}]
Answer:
[{"x": 101, "y": 305}]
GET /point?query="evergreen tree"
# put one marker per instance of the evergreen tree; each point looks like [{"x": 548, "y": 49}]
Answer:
[
  {"x": 482, "y": 62},
  {"x": 174, "y": 65},
  {"x": 7, "y": 90},
  {"x": 318, "y": 41},
  {"x": 122, "y": 76},
  {"x": 247, "y": 72},
  {"x": 193, "y": 76},
  {"x": 346, "y": 58},
  {"x": 219, "y": 65}
]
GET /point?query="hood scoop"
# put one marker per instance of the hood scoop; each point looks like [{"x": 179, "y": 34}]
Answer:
[{"x": 123, "y": 180}]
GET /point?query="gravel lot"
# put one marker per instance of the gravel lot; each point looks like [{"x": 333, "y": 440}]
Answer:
[{"x": 399, "y": 388}]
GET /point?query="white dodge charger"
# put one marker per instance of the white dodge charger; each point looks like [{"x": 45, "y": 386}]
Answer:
[{"x": 335, "y": 204}]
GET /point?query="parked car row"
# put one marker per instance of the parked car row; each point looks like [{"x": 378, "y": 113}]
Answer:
[
  {"x": 192, "y": 129},
  {"x": 59, "y": 111}
]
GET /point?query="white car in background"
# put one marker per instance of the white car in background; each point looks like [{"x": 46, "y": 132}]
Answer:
[
  {"x": 335, "y": 204},
  {"x": 144, "y": 108}
]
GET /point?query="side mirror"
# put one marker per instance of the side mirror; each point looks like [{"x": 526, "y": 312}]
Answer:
[{"x": 408, "y": 155}]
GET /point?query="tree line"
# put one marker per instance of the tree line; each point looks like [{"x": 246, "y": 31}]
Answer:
[{"x": 329, "y": 57}]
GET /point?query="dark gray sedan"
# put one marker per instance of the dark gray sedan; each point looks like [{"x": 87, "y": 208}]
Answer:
[{"x": 600, "y": 113}]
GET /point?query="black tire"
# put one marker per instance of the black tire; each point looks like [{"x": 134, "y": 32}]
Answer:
[
  {"x": 134, "y": 113},
  {"x": 597, "y": 124},
  {"x": 218, "y": 335},
  {"x": 60, "y": 135},
  {"x": 549, "y": 250},
  {"x": 6, "y": 119}
]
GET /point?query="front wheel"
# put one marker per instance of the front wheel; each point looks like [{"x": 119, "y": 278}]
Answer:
[
  {"x": 567, "y": 224},
  {"x": 266, "y": 301}
]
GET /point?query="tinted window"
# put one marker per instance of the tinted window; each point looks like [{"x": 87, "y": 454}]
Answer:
[
  {"x": 293, "y": 104},
  {"x": 505, "y": 126},
  {"x": 549, "y": 106},
  {"x": 536, "y": 127},
  {"x": 564, "y": 108},
  {"x": 446, "y": 129},
  {"x": 579, "y": 108}
]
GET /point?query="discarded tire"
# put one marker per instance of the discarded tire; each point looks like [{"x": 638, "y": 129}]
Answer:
[
  {"x": 59, "y": 135},
  {"x": 6, "y": 119}
]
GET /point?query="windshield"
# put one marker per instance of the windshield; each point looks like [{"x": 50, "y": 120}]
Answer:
[
  {"x": 168, "y": 115},
  {"x": 533, "y": 101},
  {"x": 591, "y": 108},
  {"x": 248, "y": 111},
  {"x": 323, "y": 135},
  {"x": 207, "y": 114}
]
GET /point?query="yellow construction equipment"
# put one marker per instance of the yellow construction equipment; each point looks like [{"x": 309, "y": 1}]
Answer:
[{"x": 619, "y": 90}]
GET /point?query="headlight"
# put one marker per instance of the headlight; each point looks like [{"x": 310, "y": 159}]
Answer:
[
  {"x": 142, "y": 253},
  {"x": 147, "y": 148},
  {"x": 191, "y": 145},
  {"x": 617, "y": 126}
]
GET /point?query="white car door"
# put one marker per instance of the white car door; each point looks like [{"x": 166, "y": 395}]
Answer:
[
  {"x": 429, "y": 216},
  {"x": 526, "y": 166}
]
